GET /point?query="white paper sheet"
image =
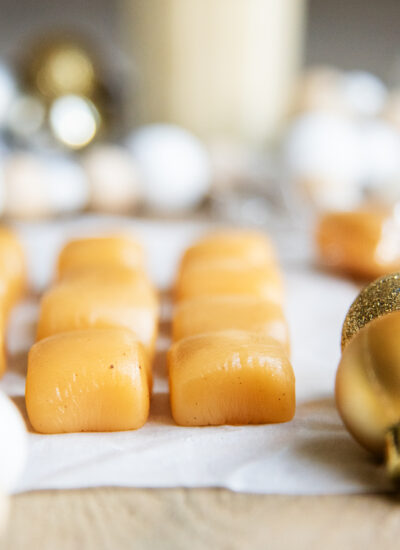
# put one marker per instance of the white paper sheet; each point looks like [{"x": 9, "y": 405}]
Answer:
[{"x": 313, "y": 454}]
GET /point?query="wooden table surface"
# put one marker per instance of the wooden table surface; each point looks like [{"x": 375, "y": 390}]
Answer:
[{"x": 109, "y": 518}]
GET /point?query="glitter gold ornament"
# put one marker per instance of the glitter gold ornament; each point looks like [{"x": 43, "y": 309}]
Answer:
[
  {"x": 377, "y": 299},
  {"x": 368, "y": 377}
]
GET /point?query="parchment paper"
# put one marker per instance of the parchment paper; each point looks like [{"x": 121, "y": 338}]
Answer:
[{"x": 313, "y": 454}]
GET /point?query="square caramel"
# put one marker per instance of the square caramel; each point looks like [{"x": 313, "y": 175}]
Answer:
[
  {"x": 101, "y": 298},
  {"x": 231, "y": 377},
  {"x": 87, "y": 381},
  {"x": 250, "y": 247},
  {"x": 216, "y": 313},
  {"x": 99, "y": 252},
  {"x": 229, "y": 277}
]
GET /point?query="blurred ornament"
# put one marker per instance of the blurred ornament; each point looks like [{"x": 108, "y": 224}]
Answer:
[
  {"x": 230, "y": 162},
  {"x": 364, "y": 93},
  {"x": 39, "y": 185},
  {"x": 381, "y": 160},
  {"x": 67, "y": 184},
  {"x": 391, "y": 110},
  {"x": 319, "y": 90},
  {"x": 8, "y": 91},
  {"x": 113, "y": 179},
  {"x": 174, "y": 165},
  {"x": 25, "y": 186},
  {"x": 26, "y": 116},
  {"x": 322, "y": 153},
  {"x": 59, "y": 66},
  {"x": 13, "y": 440},
  {"x": 74, "y": 121}
]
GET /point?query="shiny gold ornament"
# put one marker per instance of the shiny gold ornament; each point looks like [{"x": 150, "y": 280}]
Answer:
[
  {"x": 59, "y": 66},
  {"x": 377, "y": 299},
  {"x": 368, "y": 377},
  {"x": 368, "y": 382}
]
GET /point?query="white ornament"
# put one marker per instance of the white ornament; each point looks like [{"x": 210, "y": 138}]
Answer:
[
  {"x": 113, "y": 178},
  {"x": 231, "y": 163},
  {"x": 174, "y": 166},
  {"x": 381, "y": 159},
  {"x": 25, "y": 186},
  {"x": 391, "y": 111},
  {"x": 319, "y": 90},
  {"x": 25, "y": 116},
  {"x": 67, "y": 184},
  {"x": 38, "y": 185},
  {"x": 322, "y": 152},
  {"x": 13, "y": 444},
  {"x": 364, "y": 93},
  {"x": 74, "y": 120}
]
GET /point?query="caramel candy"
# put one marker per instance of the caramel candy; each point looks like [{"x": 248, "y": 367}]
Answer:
[
  {"x": 98, "y": 252},
  {"x": 13, "y": 270},
  {"x": 230, "y": 377},
  {"x": 219, "y": 278},
  {"x": 3, "y": 359},
  {"x": 363, "y": 243},
  {"x": 87, "y": 381},
  {"x": 99, "y": 298},
  {"x": 216, "y": 313},
  {"x": 249, "y": 247}
]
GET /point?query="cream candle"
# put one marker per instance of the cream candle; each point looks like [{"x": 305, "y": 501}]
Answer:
[{"x": 221, "y": 68}]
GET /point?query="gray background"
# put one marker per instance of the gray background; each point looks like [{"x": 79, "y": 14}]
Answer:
[{"x": 347, "y": 33}]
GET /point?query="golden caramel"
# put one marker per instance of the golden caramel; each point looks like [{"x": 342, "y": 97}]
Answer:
[
  {"x": 3, "y": 359},
  {"x": 13, "y": 269},
  {"x": 250, "y": 247},
  {"x": 231, "y": 377},
  {"x": 229, "y": 278},
  {"x": 216, "y": 313},
  {"x": 114, "y": 297},
  {"x": 362, "y": 243},
  {"x": 87, "y": 381},
  {"x": 368, "y": 382},
  {"x": 99, "y": 252}
]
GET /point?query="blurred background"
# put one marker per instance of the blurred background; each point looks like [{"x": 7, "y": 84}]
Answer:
[{"x": 254, "y": 111}]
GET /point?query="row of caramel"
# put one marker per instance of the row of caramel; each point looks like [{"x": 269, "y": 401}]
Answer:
[
  {"x": 228, "y": 363},
  {"x": 90, "y": 369},
  {"x": 12, "y": 283}
]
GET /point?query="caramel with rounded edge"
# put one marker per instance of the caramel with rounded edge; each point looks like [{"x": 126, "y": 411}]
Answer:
[
  {"x": 222, "y": 278},
  {"x": 13, "y": 270},
  {"x": 100, "y": 252},
  {"x": 230, "y": 377},
  {"x": 362, "y": 243},
  {"x": 216, "y": 313},
  {"x": 87, "y": 381},
  {"x": 249, "y": 247},
  {"x": 101, "y": 298}
]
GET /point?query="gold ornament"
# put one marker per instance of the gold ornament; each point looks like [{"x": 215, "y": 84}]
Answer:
[
  {"x": 377, "y": 299},
  {"x": 61, "y": 66}
]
